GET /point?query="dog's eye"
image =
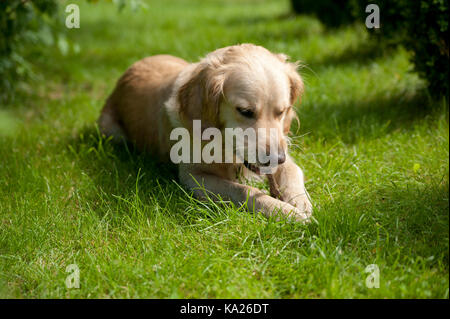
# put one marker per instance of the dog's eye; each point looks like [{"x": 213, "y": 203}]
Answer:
[
  {"x": 245, "y": 112},
  {"x": 280, "y": 113}
]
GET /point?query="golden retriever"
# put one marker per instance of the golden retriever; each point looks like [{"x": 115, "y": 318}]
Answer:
[{"x": 240, "y": 86}]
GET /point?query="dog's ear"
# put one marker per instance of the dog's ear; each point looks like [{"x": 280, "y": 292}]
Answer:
[
  {"x": 295, "y": 81},
  {"x": 199, "y": 98},
  {"x": 190, "y": 97},
  {"x": 296, "y": 91}
]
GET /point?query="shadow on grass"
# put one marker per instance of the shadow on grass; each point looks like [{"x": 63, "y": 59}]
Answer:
[
  {"x": 410, "y": 223},
  {"x": 291, "y": 27},
  {"x": 120, "y": 172},
  {"x": 240, "y": 20},
  {"x": 416, "y": 217},
  {"x": 362, "y": 54},
  {"x": 369, "y": 118},
  {"x": 130, "y": 178}
]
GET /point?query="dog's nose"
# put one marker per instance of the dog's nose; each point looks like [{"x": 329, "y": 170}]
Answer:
[{"x": 281, "y": 157}]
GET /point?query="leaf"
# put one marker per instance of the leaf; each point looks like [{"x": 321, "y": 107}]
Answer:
[{"x": 63, "y": 45}]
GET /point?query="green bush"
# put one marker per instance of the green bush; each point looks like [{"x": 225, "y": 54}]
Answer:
[
  {"x": 420, "y": 26},
  {"x": 26, "y": 29},
  {"x": 331, "y": 12},
  {"x": 20, "y": 24}
]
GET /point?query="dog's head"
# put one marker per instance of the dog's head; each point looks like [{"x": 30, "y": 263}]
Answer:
[{"x": 245, "y": 86}]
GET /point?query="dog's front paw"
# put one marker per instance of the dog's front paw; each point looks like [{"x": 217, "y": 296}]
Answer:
[
  {"x": 282, "y": 210},
  {"x": 295, "y": 214},
  {"x": 303, "y": 204},
  {"x": 301, "y": 216}
]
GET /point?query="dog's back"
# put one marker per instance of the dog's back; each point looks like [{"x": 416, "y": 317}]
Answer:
[{"x": 135, "y": 111}]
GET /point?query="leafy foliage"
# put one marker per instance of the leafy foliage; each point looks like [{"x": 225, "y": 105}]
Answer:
[
  {"x": 25, "y": 24},
  {"x": 20, "y": 23},
  {"x": 421, "y": 26}
]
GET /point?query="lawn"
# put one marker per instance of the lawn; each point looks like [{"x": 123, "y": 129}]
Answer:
[{"x": 373, "y": 145}]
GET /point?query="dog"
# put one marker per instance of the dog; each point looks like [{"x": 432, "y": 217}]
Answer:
[{"x": 240, "y": 86}]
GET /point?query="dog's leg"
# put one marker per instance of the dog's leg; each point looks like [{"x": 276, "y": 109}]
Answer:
[
  {"x": 206, "y": 185},
  {"x": 291, "y": 186}
]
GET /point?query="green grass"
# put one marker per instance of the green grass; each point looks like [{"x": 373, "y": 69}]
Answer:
[{"x": 373, "y": 146}]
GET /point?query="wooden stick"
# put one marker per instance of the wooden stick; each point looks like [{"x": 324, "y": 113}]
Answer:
[{"x": 274, "y": 188}]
